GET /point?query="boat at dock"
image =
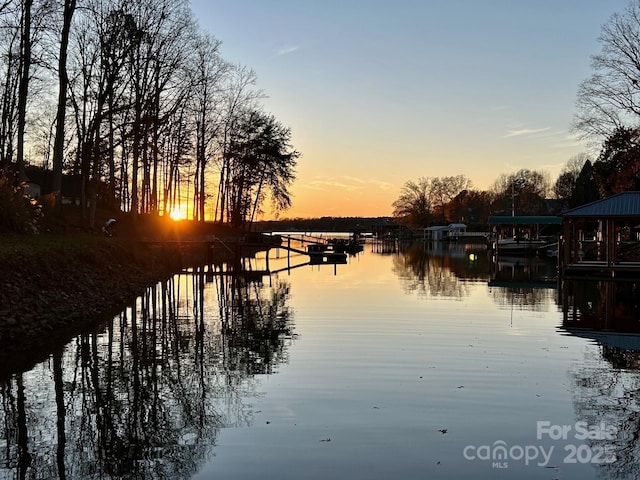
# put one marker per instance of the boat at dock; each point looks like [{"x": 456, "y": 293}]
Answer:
[
  {"x": 526, "y": 235},
  {"x": 522, "y": 245}
]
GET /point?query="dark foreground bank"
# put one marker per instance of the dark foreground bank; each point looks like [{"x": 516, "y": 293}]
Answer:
[{"x": 54, "y": 285}]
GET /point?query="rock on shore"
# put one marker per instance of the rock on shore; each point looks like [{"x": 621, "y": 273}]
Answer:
[{"x": 50, "y": 286}]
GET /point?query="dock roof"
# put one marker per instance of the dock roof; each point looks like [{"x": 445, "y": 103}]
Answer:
[{"x": 624, "y": 204}]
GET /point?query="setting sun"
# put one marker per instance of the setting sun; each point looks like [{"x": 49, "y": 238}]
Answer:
[{"x": 179, "y": 212}]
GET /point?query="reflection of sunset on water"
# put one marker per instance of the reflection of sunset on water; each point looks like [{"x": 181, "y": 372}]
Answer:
[{"x": 381, "y": 355}]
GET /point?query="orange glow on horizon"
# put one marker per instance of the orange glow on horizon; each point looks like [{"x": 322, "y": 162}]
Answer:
[{"x": 333, "y": 202}]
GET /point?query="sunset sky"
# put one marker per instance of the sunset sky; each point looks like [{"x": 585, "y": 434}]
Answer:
[{"x": 379, "y": 92}]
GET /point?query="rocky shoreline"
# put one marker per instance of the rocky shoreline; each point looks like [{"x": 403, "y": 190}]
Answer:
[{"x": 53, "y": 287}]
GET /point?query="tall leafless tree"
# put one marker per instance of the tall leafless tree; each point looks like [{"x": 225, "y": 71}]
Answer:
[
  {"x": 10, "y": 43},
  {"x": 23, "y": 86},
  {"x": 241, "y": 96},
  {"x": 610, "y": 98},
  {"x": 63, "y": 80},
  {"x": 144, "y": 99},
  {"x": 208, "y": 94}
]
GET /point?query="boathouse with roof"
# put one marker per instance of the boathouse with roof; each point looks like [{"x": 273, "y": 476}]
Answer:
[
  {"x": 603, "y": 237},
  {"x": 526, "y": 235}
]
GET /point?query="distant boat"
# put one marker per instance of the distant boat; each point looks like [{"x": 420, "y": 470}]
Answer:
[
  {"x": 521, "y": 245},
  {"x": 525, "y": 233}
]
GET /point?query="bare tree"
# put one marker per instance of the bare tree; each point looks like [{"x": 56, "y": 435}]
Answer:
[
  {"x": 426, "y": 200},
  {"x": 240, "y": 97},
  {"x": 171, "y": 83},
  {"x": 445, "y": 189},
  {"x": 98, "y": 62},
  {"x": 23, "y": 23},
  {"x": 129, "y": 82},
  {"x": 524, "y": 190},
  {"x": 413, "y": 206},
  {"x": 140, "y": 90},
  {"x": 63, "y": 80},
  {"x": 156, "y": 71},
  {"x": 470, "y": 206},
  {"x": 23, "y": 86},
  {"x": 610, "y": 98},
  {"x": 566, "y": 181},
  {"x": 209, "y": 72},
  {"x": 10, "y": 61}
]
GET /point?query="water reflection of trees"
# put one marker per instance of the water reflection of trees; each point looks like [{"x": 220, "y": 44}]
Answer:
[
  {"x": 524, "y": 298},
  {"x": 146, "y": 397},
  {"x": 611, "y": 305},
  {"x": 606, "y": 390},
  {"x": 438, "y": 273},
  {"x": 606, "y": 385},
  {"x": 258, "y": 327},
  {"x": 523, "y": 283},
  {"x": 444, "y": 270}
]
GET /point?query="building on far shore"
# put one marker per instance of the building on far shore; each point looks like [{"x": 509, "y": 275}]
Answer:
[
  {"x": 441, "y": 233},
  {"x": 453, "y": 232}
]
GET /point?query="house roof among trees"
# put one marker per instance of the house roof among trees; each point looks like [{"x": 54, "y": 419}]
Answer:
[{"x": 624, "y": 204}]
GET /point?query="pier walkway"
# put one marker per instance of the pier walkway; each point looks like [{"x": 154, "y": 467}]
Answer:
[{"x": 320, "y": 249}]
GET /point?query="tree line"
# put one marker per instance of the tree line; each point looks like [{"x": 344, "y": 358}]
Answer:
[
  {"x": 608, "y": 116},
  {"x": 134, "y": 100},
  {"x": 438, "y": 200},
  {"x": 441, "y": 200}
]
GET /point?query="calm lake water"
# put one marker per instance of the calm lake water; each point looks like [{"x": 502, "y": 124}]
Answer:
[{"x": 407, "y": 364}]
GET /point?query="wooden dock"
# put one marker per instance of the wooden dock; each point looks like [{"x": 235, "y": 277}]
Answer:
[
  {"x": 228, "y": 256},
  {"x": 210, "y": 249},
  {"x": 318, "y": 249},
  {"x": 602, "y": 269}
]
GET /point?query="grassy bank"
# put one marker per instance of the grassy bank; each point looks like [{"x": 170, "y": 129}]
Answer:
[{"x": 51, "y": 285}]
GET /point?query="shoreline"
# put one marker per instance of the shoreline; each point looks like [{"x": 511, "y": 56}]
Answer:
[{"x": 55, "y": 286}]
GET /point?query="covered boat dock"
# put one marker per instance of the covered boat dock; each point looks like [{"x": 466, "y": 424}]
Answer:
[
  {"x": 523, "y": 234},
  {"x": 602, "y": 238}
]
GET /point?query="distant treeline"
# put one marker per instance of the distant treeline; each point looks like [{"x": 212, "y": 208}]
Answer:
[{"x": 323, "y": 224}]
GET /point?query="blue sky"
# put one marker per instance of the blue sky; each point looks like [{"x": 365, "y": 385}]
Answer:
[{"x": 379, "y": 92}]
